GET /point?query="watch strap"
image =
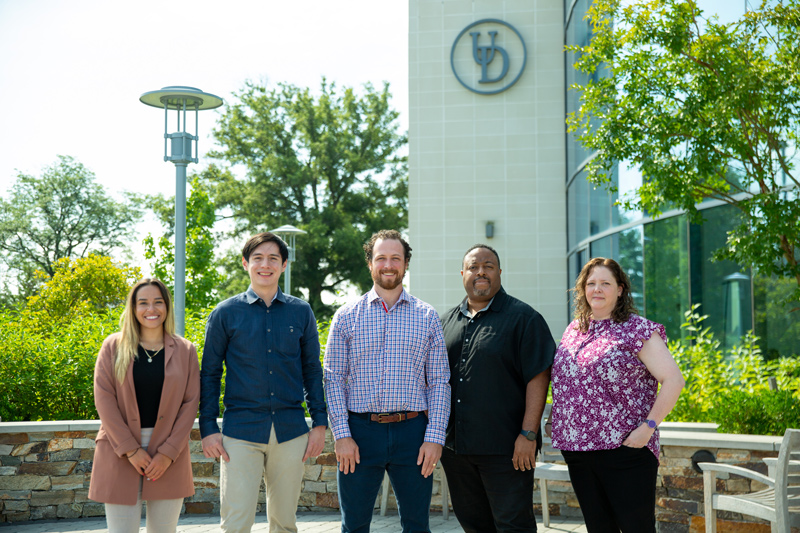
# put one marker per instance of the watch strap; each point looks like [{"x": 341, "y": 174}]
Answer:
[{"x": 530, "y": 435}]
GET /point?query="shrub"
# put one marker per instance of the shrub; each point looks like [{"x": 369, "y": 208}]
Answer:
[{"x": 767, "y": 412}]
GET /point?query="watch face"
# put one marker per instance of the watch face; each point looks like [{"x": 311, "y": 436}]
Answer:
[
  {"x": 530, "y": 435},
  {"x": 651, "y": 424}
]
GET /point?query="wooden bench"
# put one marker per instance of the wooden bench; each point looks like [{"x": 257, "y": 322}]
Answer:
[
  {"x": 548, "y": 467},
  {"x": 779, "y": 502}
]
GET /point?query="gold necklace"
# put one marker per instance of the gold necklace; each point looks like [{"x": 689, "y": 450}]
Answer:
[{"x": 149, "y": 356}]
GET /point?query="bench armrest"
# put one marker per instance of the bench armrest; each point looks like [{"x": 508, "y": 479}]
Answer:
[{"x": 738, "y": 470}]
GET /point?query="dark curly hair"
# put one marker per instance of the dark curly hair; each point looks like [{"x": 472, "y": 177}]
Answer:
[
  {"x": 386, "y": 234},
  {"x": 624, "y": 308}
]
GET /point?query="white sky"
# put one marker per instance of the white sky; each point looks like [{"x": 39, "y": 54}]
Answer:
[{"x": 72, "y": 71}]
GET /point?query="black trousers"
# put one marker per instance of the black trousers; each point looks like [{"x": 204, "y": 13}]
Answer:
[
  {"x": 616, "y": 489},
  {"x": 488, "y": 494}
]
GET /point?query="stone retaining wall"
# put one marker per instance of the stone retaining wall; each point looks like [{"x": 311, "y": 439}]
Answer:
[{"x": 45, "y": 469}]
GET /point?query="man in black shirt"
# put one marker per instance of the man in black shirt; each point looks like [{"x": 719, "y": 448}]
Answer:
[{"x": 500, "y": 351}]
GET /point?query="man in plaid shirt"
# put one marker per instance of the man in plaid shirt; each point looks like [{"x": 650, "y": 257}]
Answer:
[{"x": 386, "y": 383}]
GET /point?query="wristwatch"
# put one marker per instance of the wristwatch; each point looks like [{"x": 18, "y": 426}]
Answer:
[
  {"x": 530, "y": 435},
  {"x": 650, "y": 423}
]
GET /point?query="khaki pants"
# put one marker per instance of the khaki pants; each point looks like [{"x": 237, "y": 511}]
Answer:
[{"x": 280, "y": 465}]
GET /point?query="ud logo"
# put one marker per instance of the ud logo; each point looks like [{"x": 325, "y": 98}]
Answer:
[{"x": 481, "y": 61}]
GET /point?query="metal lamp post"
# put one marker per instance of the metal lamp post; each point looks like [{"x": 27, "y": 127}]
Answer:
[
  {"x": 288, "y": 234},
  {"x": 183, "y": 145}
]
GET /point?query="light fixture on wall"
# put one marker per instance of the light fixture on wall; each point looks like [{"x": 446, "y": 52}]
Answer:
[{"x": 489, "y": 229}]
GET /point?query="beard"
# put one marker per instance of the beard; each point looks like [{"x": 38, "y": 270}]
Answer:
[
  {"x": 482, "y": 292},
  {"x": 388, "y": 284}
]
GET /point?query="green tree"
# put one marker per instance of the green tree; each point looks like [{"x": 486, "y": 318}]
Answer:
[
  {"x": 63, "y": 213},
  {"x": 93, "y": 284},
  {"x": 327, "y": 163},
  {"x": 202, "y": 276},
  {"x": 706, "y": 111}
]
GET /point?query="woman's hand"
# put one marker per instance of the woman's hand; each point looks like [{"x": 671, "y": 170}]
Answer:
[
  {"x": 639, "y": 437},
  {"x": 140, "y": 460},
  {"x": 157, "y": 467}
]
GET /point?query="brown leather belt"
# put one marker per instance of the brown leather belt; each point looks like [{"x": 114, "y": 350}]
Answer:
[{"x": 387, "y": 418}]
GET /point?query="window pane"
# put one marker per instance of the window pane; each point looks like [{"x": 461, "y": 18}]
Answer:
[{"x": 666, "y": 268}]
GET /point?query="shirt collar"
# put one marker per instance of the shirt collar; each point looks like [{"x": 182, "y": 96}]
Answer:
[
  {"x": 499, "y": 298},
  {"x": 252, "y": 297},
  {"x": 372, "y": 296}
]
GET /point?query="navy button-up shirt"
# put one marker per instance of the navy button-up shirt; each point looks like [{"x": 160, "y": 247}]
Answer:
[{"x": 271, "y": 357}]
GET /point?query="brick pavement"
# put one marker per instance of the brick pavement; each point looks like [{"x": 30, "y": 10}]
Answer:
[{"x": 306, "y": 522}]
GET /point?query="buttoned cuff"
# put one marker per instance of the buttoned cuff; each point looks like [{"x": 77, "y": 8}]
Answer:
[
  {"x": 319, "y": 419},
  {"x": 208, "y": 427},
  {"x": 434, "y": 435},
  {"x": 340, "y": 428}
]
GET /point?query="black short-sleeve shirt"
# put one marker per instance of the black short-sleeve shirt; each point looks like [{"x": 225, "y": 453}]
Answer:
[{"x": 493, "y": 356}]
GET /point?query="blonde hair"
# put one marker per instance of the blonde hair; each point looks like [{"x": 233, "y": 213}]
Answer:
[
  {"x": 624, "y": 308},
  {"x": 128, "y": 345}
]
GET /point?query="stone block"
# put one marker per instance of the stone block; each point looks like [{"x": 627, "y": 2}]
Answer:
[
  {"x": 733, "y": 456},
  {"x": 194, "y": 435},
  {"x": 666, "y": 516},
  {"x": 56, "y": 445},
  {"x": 36, "y": 457},
  {"x": 82, "y": 496},
  {"x": 69, "y": 434},
  {"x": 83, "y": 467},
  {"x": 54, "y": 497},
  {"x": 681, "y": 506},
  {"x": 205, "y": 495},
  {"x": 326, "y": 459},
  {"x": 314, "y": 486},
  {"x": 312, "y": 472},
  {"x": 69, "y": 510},
  {"x": 13, "y": 438},
  {"x": 328, "y": 500},
  {"x": 41, "y": 435},
  {"x": 5, "y": 449},
  {"x": 87, "y": 455},
  {"x": 25, "y": 483},
  {"x": 680, "y": 451},
  {"x": 65, "y": 455},
  {"x": 8, "y": 460},
  {"x": 84, "y": 444},
  {"x": 16, "y": 506},
  {"x": 684, "y": 494},
  {"x": 17, "y": 517},
  {"x": 332, "y": 486},
  {"x": 328, "y": 473},
  {"x": 195, "y": 447},
  {"x": 559, "y": 486},
  {"x": 206, "y": 483},
  {"x": 200, "y": 458},
  {"x": 94, "y": 509},
  {"x": 8, "y": 470},
  {"x": 674, "y": 471},
  {"x": 199, "y": 507},
  {"x": 737, "y": 485},
  {"x": 15, "y": 495},
  {"x": 202, "y": 469},
  {"x": 61, "y": 468},
  {"x": 681, "y": 482},
  {"x": 671, "y": 527},
  {"x": 29, "y": 448},
  {"x": 307, "y": 499},
  {"x": 44, "y": 513},
  {"x": 72, "y": 482}
]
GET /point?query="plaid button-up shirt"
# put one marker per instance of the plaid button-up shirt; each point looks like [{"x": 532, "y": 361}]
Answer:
[{"x": 381, "y": 360}]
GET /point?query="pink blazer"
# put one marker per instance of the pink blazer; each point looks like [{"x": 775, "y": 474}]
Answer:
[{"x": 114, "y": 480}]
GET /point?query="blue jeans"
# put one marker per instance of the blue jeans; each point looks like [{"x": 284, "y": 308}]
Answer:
[{"x": 391, "y": 448}]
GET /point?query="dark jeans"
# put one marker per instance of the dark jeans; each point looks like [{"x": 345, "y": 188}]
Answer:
[
  {"x": 488, "y": 494},
  {"x": 616, "y": 489},
  {"x": 391, "y": 448}
]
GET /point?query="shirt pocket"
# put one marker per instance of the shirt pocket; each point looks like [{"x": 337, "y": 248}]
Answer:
[{"x": 288, "y": 340}]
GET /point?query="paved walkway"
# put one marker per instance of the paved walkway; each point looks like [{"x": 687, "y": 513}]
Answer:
[{"x": 306, "y": 522}]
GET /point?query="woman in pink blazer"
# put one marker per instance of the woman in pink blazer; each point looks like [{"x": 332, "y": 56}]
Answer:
[{"x": 146, "y": 389}]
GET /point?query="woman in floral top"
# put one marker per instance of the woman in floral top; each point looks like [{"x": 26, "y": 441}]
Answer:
[{"x": 606, "y": 403}]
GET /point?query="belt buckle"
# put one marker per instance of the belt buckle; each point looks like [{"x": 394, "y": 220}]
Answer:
[{"x": 385, "y": 418}]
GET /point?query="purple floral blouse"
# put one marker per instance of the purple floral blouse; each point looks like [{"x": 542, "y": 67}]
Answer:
[{"x": 601, "y": 390}]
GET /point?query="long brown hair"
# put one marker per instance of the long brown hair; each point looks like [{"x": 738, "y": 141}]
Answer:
[
  {"x": 128, "y": 345},
  {"x": 624, "y": 307}
]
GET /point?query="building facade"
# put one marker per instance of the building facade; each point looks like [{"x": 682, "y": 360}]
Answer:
[{"x": 492, "y": 157}]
